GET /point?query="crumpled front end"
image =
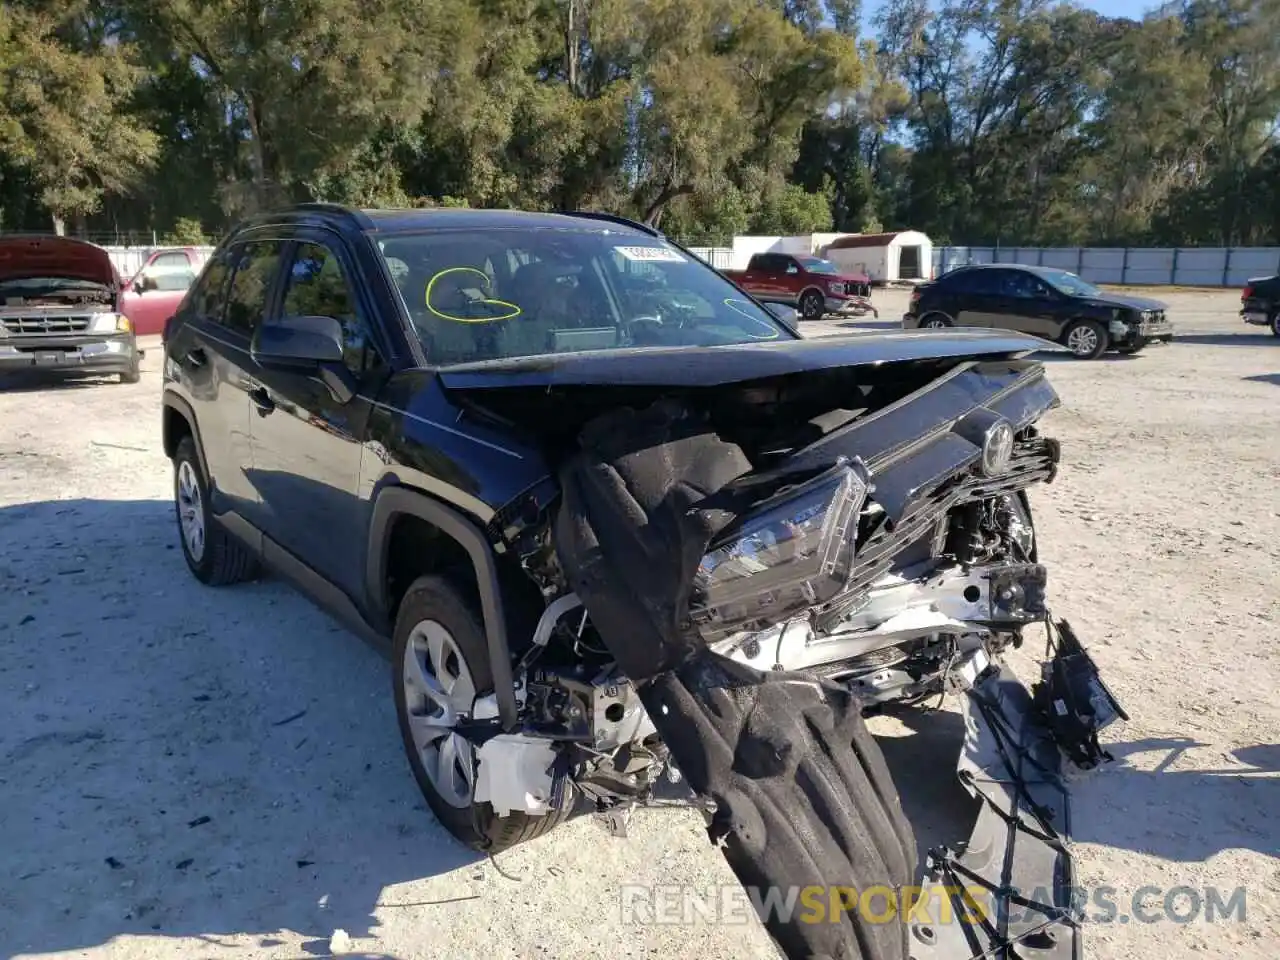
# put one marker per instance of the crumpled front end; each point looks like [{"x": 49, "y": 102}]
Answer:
[{"x": 688, "y": 549}]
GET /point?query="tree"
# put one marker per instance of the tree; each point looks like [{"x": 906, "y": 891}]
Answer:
[{"x": 65, "y": 87}]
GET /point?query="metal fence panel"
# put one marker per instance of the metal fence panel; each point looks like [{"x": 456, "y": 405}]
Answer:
[{"x": 1136, "y": 266}]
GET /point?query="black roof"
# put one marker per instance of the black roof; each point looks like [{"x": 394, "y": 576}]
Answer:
[
  {"x": 452, "y": 218},
  {"x": 1030, "y": 267}
]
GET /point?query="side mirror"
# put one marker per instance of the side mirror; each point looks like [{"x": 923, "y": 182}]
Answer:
[
  {"x": 293, "y": 342},
  {"x": 145, "y": 283}
]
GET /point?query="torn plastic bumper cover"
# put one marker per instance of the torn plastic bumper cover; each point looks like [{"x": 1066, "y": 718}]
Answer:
[{"x": 1009, "y": 892}]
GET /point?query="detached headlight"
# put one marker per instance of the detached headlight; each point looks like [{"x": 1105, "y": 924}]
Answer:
[
  {"x": 110, "y": 323},
  {"x": 791, "y": 552}
]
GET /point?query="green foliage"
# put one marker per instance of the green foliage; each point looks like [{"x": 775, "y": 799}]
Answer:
[
  {"x": 186, "y": 232},
  {"x": 977, "y": 121}
]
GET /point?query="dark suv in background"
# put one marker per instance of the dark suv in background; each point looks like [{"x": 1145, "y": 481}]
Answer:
[{"x": 1051, "y": 304}]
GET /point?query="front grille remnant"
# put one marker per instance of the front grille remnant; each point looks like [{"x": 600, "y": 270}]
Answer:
[
  {"x": 21, "y": 325},
  {"x": 1033, "y": 461}
]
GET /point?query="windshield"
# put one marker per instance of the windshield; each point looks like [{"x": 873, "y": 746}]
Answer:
[
  {"x": 487, "y": 294},
  {"x": 816, "y": 265},
  {"x": 1070, "y": 284}
]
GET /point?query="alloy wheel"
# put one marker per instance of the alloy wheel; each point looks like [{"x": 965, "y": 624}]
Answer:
[
  {"x": 1082, "y": 341},
  {"x": 191, "y": 510},
  {"x": 439, "y": 692}
]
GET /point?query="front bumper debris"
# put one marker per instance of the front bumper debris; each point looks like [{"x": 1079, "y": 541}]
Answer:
[
  {"x": 1009, "y": 892},
  {"x": 62, "y": 352}
]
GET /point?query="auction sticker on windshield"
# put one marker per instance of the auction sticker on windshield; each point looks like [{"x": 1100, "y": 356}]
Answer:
[{"x": 650, "y": 254}]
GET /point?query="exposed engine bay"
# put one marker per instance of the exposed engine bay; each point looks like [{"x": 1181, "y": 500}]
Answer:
[{"x": 733, "y": 577}]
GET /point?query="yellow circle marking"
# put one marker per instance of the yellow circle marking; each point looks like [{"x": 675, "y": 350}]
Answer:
[
  {"x": 513, "y": 310},
  {"x": 732, "y": 305}
]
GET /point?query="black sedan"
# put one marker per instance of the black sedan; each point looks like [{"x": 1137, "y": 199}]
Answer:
[{"x": 1051, "y": 304}]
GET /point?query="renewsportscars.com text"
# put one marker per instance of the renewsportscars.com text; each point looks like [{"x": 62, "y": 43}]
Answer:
[{"x": 936, "y": 904}]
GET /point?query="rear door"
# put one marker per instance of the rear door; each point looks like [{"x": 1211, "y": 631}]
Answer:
[
  {"x": 307, "y": 442},
  {"x": 973, "y": 298},
  {"x": 1026, "y": 304},
  {"x": 211, "y": 353}
]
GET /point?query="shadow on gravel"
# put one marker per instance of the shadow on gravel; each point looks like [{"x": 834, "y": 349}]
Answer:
[
  {"x": 23, "y": 382},
  {"x": 178, "y": 760},
  {"x": 1272, "y": 378},
  {"x": 1228, "y": 339}
]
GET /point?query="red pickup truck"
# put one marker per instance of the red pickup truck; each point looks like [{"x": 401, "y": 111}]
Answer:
[{"x": 816, "y": 287}]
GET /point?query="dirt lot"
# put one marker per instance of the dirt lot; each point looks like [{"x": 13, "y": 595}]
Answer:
[{"x": 201, "y": 773}]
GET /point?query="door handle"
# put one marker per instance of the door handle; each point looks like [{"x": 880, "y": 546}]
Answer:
[
  {"x": 262, "y": 400},
  {"x": 196, "y": 357}
]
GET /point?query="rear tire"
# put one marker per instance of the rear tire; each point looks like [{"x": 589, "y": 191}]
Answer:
[
  {"x": 1086, "y": 339},
  {"x": 812, "y": 306},
  {"x": 935, "y": 321},
  {"x": 213, "y": 556},
  {"x": 1275, "y": 323},
  {"x": 434, "y": 610}
]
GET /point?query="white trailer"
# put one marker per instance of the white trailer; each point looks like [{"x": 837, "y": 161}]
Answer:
[{"x": 903, "y": 256}]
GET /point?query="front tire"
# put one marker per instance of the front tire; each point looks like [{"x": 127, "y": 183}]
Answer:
[
  {"x": 935, "y": 321},
  {"x": 134, "y": 373},
  {"x": 812, "y": 306},
  {"x": 1086, "y": 339},
  {"x": 213, "y": 556},
  {"x": 440, "y": 666},
  {"x": 1275, "y": 323}
]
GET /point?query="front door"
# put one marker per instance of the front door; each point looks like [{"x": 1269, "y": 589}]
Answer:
[{"x": 307, "y": 441}]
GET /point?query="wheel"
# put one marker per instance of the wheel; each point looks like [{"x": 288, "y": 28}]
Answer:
[
  {"x": 214, "y": 556},
  {"x": 1275, "y": 323},
  {"x": 1086, "y": 339},
  {"x": 935, "y": 321},
  {"x": 134, "y": 373},
  {"x": 812, "y": 305},
  {"x": 440, "y": 666}
]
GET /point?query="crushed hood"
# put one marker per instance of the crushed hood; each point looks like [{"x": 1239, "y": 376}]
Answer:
[
  {"x": 716, "y": 366},
  {"x": 23, "y": 256},
  {"x": 1127, "y": 300}
]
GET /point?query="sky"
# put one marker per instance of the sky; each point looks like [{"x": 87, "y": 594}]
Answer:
[{"x": 1112, "y": 8}]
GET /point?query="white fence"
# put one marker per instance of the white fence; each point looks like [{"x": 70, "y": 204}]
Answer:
[{"x": 1137, "y": 266}]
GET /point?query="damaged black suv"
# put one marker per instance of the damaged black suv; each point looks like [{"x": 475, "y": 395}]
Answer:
[{"x": 614, "y": 520}]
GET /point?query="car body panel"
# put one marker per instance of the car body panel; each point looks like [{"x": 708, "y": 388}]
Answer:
[
  {"x": 1260, "y": 302},
  {"x": 1015, "y": 297},
  {"x": 785, "y": 278},
  {"x": 713, "y": 366},
  {"x": 174, "y": 270}
]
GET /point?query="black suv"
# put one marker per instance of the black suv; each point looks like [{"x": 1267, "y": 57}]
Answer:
[
  {"x": 1052, "y": 304},
  {"x": 613, "y": 520}
]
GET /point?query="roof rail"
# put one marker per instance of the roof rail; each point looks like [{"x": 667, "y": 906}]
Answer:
[
  {"x": 336, "y": 209},
  {"x": 614, "y": 218}
]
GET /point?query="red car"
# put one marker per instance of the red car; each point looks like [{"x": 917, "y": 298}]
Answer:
[
  {"x": 816, "y": 287},
  {"x": 153, "y": 295}
]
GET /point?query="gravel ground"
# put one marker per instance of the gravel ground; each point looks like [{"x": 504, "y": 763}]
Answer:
[{"x": 190, "y": 772}]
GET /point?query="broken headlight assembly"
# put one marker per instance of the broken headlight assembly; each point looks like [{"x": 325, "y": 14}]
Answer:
[{"x": 792, "y": 551}]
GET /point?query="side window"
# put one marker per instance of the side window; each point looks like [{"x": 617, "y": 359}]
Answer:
[
  {"x": 209, "y": 299},
  {"x": 789, "y": 265},
  {"x": 170, "y": 261},
  {"x": 317, "y": 287},
  {"x": 255, "y": 266},
  {"x": 1019, "y": 284},
  {"x": 978, "y": 282}
]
